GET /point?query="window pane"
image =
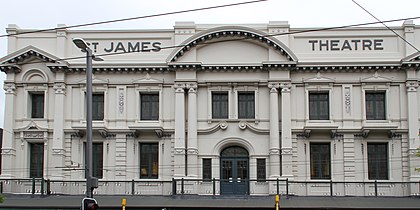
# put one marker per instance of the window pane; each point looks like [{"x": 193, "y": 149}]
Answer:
[
  {"x": 378, "y": 161},
  {"x": 97, "y": 159},
  {"x": 375, "y": 106},
  {"x": 261, "y": 169},
  {"x": 149, "y": 106},
  {"x": 37, "y": 100},
  {"x": 207, "y": 168},
  {"x": 36, "y": 160},
  {"x": 246, "y": 105},
  {"x": 98, "y": 106},
  {"x": 149, "y": 161},
  {"x": 320, "y": 161},
  {"x": 319, "y": 106},
  {"x": 220, "y": 105}
]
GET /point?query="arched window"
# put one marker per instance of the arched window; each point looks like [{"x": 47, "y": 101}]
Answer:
[{"x": 234, "y": 151}]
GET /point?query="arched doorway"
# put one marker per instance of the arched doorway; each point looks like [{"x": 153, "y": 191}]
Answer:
[{"x": 234, "y": 171}]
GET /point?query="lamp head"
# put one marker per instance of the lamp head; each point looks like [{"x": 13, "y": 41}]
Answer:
[{"x": 80, "y": 43}]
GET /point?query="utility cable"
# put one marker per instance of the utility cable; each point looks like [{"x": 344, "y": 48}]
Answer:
[
  {"x": 243, "y": 38},
  {"x": 393, "y": 31},
  {"x": 135, "y": 18}
]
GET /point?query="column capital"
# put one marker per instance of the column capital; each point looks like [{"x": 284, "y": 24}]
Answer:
[
  {"x": 190, "y": 85},
  {"x": 285, "y": 86},
  {"x": 9, "y": 88},
  {"x": 412, "y": 86},
  {"x": 179, "y": 87},
  {"x": 60, "y": 88}
]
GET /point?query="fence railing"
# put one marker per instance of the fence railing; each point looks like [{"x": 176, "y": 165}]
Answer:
[{"x": 214, "y": 187}]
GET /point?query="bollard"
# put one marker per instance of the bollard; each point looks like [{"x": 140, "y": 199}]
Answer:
[
  {"x": 277, "y": 201},
  {"x": 123, "y": 203},
  {"x": 33, "y": 185}
]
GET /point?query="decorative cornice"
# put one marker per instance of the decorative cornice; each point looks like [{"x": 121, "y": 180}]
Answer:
[
  {"x": 115, "y": 69},
  {"x": 347, "y": 67}
]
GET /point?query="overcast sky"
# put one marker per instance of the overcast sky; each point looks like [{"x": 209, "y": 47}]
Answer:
[{"x": 41, "y": 14}]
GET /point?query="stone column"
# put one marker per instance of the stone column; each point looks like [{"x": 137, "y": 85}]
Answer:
[
  {"x": 179, "y": 141},
  {"x": 58, "y": 153},
  {"x": 8, "y": 151},
  {"x": 413, "y": 130},
  {"x": 192, "y": 150},
  {"x": 274, "y": 152},
  {"x": 286, "y": 130}
]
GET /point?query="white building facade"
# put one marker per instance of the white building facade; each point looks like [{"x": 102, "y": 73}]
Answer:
[{"x": 231, "y": 107}]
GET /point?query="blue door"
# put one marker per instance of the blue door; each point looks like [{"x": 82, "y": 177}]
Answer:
[{"x": 234, "y": 164}]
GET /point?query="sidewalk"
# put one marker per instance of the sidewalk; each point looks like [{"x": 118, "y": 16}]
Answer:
[{"x": 194, "y": 201}]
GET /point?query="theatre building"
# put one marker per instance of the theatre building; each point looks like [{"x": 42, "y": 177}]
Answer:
[{"x": 250, "y": 109}]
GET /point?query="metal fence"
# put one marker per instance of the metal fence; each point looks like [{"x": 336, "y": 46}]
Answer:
[{"x": 39, "y": 186}]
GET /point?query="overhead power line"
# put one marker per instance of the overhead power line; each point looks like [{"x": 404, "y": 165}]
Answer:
[
  {"x": 386, "y": 26},
  {"x": 135, "y": 18},
  {"x": 245, "y": 38}
]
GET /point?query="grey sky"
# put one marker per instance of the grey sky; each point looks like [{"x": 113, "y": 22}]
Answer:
[{"x": 42, "y": 14}]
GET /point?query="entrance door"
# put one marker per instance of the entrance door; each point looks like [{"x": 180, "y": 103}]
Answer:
[{"x": 234, "y": 164}]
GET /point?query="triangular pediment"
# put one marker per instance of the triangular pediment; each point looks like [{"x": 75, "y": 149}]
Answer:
[
  {"x": 13, "y": 61},
  {"x": 95, "y": 81},
  {"x": 319, "y": 79},
  {"x": 415, "y": 57},
  {"x": 148, "y": 80},
  {"x": 376, "y": 78},
  {"x": 28, "y": 53}
]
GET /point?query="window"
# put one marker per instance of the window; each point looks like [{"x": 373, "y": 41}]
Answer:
[
  {"x": 97, "y": 159},
  {"x": 36, "y": 168},
  {"x": 149, "y": 106},
  {"x": 207, "y": 168},
  {"x": 98, "y": 106},
  {"x": 220, "y": 105},
  {"x": 246, "y": 105},
  {"x": 149, "y": 160},
  {"x": 320, "y": 161},
  {"x": 378, "y": 161},
  {"x": 319, "y": 106},
  {"x": 37, "y": 105},
  {"x": 261, "y": 171},
  {"x": 375, "y": 106}
]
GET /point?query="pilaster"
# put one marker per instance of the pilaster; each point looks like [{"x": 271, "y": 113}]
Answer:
[
  {"x": 179, "y": 156},
  {"x": 58, "y": 152},
  {"x": 8, "y": 151},
  {"x": 61, "y": 40},
  {"x": 12, "y": 40},
  {"x": 274, "y": 152},
  {"x": 413, "y": 129},
  {"x": 120, "y": 156},
  {"x": 192, "y": 149},
  {"x": 286, "y": 129},
  {"x": 408, "y": 26}
]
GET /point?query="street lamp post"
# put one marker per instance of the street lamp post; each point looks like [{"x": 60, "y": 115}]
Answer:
[{"x": 91, "y": 182}]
